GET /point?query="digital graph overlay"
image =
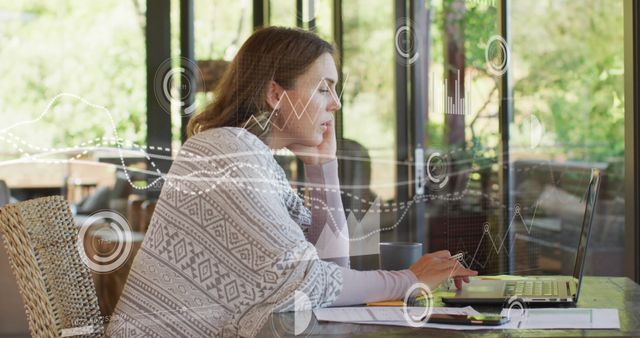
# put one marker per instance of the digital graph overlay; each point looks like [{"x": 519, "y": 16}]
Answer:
[
  {"x": 498, "y": 244},
  {"x": 299, "y": 108},
  {"x": 102, "y": 109},
  {"x": 456, "y": 103},
  {"x": 6, "y": 136}
]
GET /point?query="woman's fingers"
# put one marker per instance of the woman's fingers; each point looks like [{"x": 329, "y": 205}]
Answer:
[
  {"x": 436, "y": 263},
  {"x": 428, "y": 258},
  {"x": 458, "y": 283},
  {"x": 441, "y": 254},
  {"x": 447, "y": 263},
  {"x": 464, "y": 272},
  {"x": 457, "y": 270},
  {"x": 437, "y": 267},
  {"x": 460, "y": 280}
]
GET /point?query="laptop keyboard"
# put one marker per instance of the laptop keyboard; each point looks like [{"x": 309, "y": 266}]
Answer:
[{"x": 539, "y": 288}]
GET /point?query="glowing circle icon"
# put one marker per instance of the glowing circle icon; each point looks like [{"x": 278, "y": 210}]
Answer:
[
  {"x": 517, "y": 309},
  {"x": 407, "y": 42},
  {"x": 418, "y": 294},
  {"x": 497, "y": 55},
  {"x": 173, "y": 85},
  {"x": 437, "y": 168},
  {"x": 108, "y": 237}
]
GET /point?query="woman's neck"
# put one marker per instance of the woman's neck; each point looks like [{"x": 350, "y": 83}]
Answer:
[{"x": 275, "y": 140}]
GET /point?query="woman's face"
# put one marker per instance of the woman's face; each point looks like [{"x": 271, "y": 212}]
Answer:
[{"x": 306, "y": 110}]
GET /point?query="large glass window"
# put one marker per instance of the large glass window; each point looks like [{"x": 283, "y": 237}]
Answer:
[
  {"x": 64, "y": 58},
  {"x": 462, "y": 139},
  {"x": 368, "y": 146},
  {"x": 369, "y": 92},
  {"x": 220, "y": 28},
  {"x": 74, "y": 82},
  {"x": 568, "y": 99},
  {"x": 73, "y": 111},
  {"x": 565, "y": 105}
]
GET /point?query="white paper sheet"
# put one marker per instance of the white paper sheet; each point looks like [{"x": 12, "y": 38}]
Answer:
[
  {"x": 381, "y": 313},
  {"x": 572, "y": 318},
  {"x": 533, "y": 318}
]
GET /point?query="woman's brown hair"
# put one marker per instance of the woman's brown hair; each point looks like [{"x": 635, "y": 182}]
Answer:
[{"x": 272, "y": 53}]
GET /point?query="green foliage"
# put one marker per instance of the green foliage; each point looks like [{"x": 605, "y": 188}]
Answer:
[
  {"x": 368, "y": 61},
  {"x": 567, "y": 69},
  {"x": 94, "y": 50},
  {"x": 574, "y": 71}
]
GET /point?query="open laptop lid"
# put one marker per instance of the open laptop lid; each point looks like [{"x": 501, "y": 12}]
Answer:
[{"x": 585, "y": 233}]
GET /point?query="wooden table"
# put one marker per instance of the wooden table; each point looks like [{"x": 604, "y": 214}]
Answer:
[{"x": 597, "y": 292}]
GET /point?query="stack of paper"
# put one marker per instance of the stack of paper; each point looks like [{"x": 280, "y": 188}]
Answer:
[
  {"x": 375, "y": 315},
  {"x": 530, "y": 319}
]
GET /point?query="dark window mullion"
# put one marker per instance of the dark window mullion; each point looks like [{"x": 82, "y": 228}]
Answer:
[
  {"x": 505, "y": 117},
  {"x": 632, "y": 139},
  {"x": 416, "y": 115},
  {"x": 401, "y": 231},
  {"x": 158, "y": 50},
  {"x": 261, "y": 13},
  {"x": 187, "y": 52},
  {"x": 337, "y": 36}
]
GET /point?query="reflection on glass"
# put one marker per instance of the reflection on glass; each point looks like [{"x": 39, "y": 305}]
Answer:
[
  {"x": 568, "y": 97},
  {"x": 464, "y": 206},
  {"x": 368, "y": 148}
]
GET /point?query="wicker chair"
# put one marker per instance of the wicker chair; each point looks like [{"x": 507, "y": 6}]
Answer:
[{"x": 57, "y": 289}]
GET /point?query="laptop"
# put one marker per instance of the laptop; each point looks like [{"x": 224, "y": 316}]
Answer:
[{"x": 537, "y": 290}]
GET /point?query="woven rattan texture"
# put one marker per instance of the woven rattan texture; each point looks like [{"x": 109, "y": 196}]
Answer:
[{"x": 57, "y": 289}]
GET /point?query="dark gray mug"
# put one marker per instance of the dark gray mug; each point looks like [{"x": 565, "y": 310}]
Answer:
[{"x": 399, "y": 255}]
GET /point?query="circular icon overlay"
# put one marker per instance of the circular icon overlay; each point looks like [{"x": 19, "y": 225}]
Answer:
[
  {"x": 516, "y": 309},
  {"x": 173, "y": 85},
  {"x": 418, "y": 305},
  {"x": 533, "y": 127},
  {"x": 104, "y": 241},
  {"x": 407, "y": 42},
  {"x": 284, "y": 324},
  {"x": 497, "y": 55},
  {"x": 437, "y": 168}
]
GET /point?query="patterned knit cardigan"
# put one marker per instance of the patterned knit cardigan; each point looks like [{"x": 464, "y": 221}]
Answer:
[{"x": 225, "y": 246}]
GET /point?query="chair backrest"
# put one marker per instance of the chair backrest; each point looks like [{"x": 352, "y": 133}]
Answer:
[
  {"x": 58, "y": 291},
  {"x": 4, "y": 193}
]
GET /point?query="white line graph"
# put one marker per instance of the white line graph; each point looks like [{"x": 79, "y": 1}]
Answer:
[
  {"x": 517, "y": 215},
  {"x": 297, "y": 112},
  {"x": 120, "y": 144},
  {"x": 84, "y": 101}
]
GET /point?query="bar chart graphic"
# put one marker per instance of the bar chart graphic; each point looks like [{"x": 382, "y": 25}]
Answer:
[{"x": 456, "y": 103}]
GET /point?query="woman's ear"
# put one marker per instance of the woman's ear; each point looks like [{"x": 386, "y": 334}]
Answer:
[{"x": 274, "y": 94}]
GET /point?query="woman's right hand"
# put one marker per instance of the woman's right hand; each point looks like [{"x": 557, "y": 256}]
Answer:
[{"x": 436, "y": 267}]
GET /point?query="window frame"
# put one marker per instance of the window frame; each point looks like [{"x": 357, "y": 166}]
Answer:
[{"x": 411, "y": 107}]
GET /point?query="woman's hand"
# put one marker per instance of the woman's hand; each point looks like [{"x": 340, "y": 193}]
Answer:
[
  {"x": 324, "y": 152},
  {"x": 435, "y": 268}
]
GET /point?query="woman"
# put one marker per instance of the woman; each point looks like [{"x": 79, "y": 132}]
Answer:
[{"x": 230, "y": 241}]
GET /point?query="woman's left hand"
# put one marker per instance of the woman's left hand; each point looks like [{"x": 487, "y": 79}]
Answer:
[{"x": 322, "y": 153}]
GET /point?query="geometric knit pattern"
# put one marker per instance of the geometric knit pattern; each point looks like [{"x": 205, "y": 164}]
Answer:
[{"x": 225, "y": 246}]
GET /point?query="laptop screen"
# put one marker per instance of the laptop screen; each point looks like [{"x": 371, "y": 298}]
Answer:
[{"x": 589, "y": 212}]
